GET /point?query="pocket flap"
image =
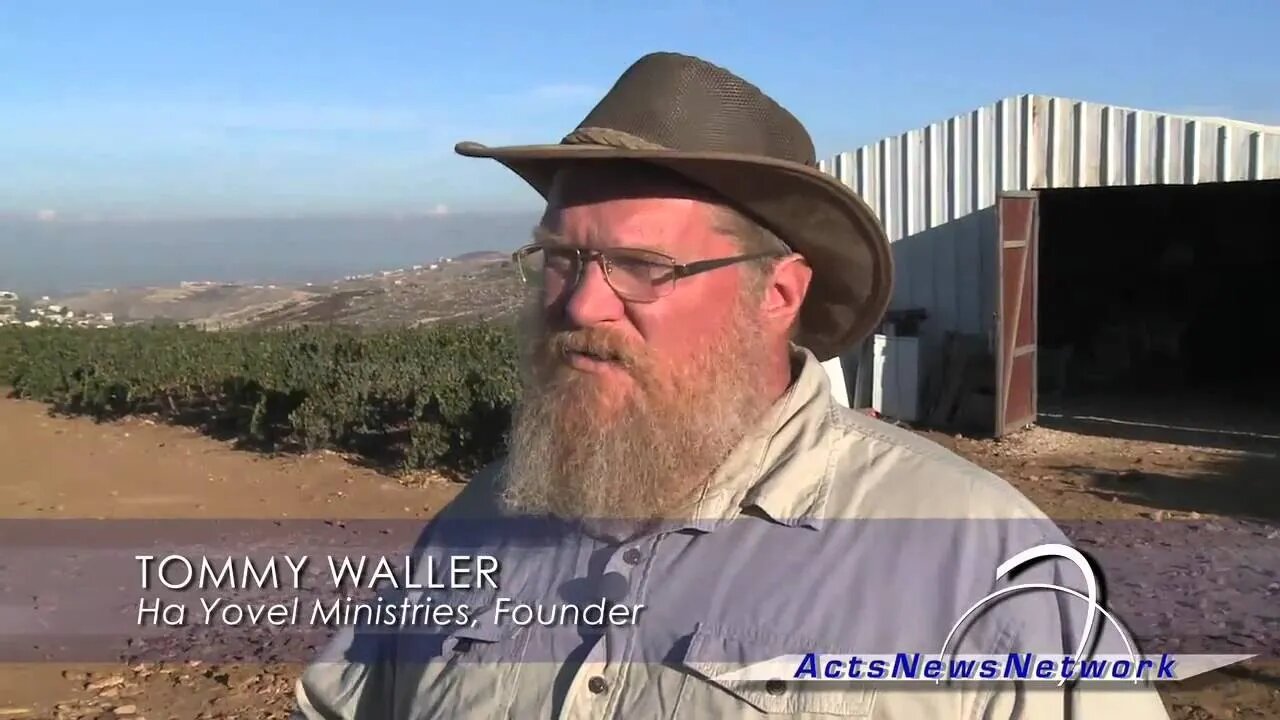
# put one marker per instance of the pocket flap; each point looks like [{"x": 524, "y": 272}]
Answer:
[
  {"x": 484, "y": 626},
  {"x": 457, "y": 632},
  {"x": 464, "y": 636},
  {"x": 717, "y": 654}
]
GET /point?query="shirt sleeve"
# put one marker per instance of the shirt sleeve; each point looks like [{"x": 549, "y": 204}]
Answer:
[{"x": 338, "y": 687}]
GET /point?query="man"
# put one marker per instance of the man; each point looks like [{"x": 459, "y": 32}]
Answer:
[{"x": 677, "y": 454}]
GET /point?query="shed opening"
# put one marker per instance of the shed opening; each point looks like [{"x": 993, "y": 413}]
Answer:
[{"x": 1157, "y": 311}]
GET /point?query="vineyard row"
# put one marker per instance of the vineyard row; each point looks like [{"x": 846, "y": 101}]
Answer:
[{"x": 436, "y": 397}]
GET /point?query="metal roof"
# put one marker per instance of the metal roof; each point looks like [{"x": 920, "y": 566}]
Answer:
[{"x": 929, "y": 176}]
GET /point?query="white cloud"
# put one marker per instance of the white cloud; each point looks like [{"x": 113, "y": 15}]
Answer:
[
  {"x": 47, "y": 215},
  {"x": 548, "y": 95},
  {"x": 563, "y": 91},
  {"x": 305, "y": 117},
  {"x": 440, "y": 209}
]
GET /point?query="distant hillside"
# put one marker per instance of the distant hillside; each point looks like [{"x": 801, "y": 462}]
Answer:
[
  {"x": 189, "y": 302},
  {"x": 462, "y": 289},
  {"x": 480, "y": 285},
  {"x": 483, "y": 256},
  {"x": 66, "y": 257}
]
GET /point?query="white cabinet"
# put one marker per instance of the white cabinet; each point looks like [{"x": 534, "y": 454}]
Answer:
[
  {"x": 895, "y": 387},
  {"x": 835, "y": 373}
]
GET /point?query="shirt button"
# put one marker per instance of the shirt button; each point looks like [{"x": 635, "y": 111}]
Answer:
[
  {"x": 597, "y": 685},
  {"x": 631, "y": 556},
  {"x": 775, "y": 687}
]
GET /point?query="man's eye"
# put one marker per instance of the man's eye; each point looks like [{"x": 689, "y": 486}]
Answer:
[
  {"x": 625, "y": 263},
  {"x": 636, "y": 265},
  {"x": 559, "y": 258}
]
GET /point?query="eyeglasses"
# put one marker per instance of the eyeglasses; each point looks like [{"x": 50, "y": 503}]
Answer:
[{"x": 635, "y": 275}]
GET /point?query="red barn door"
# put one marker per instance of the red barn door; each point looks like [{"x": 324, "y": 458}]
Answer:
[{"x": 1019, "y": 222}]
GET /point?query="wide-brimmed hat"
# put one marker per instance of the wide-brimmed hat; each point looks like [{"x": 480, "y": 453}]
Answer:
[{"x": 721, "y": 132}]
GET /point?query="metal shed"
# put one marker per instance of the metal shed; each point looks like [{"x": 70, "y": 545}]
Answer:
[{"x": 957, "y": 199}]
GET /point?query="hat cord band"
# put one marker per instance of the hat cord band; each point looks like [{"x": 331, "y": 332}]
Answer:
[{"x": 609, "y": 138}]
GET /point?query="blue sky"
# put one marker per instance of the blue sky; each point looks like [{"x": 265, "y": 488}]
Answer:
[{"x": 147, "y": 109}]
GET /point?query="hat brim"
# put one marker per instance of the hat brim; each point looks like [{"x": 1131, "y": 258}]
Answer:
[{"x": 814, "y": 213}]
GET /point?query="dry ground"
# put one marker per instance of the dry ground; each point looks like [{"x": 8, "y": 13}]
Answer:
[{"x": 71, "y": 468}]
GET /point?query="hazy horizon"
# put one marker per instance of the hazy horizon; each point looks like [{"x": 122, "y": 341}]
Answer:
[{"x": 60, "y": 257}]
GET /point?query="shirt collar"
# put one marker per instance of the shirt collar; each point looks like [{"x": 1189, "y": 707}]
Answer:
[{"x": 784, "y": 467}]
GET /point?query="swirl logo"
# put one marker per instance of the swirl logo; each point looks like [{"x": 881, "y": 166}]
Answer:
[{"x": 1064, "y": 552}]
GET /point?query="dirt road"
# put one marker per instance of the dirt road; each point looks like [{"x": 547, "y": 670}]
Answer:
[{"x": 73, "y": 468}]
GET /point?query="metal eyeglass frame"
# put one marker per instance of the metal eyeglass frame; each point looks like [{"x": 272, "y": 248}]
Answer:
[{"x": 601, "y": 258}]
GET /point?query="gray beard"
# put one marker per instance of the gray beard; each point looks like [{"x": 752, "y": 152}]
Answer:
[{"x": 649, "y": 461}]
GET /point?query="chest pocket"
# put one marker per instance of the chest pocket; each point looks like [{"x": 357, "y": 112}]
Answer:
[
  {"x": 712, "y": 690},
  {"x": 463, "y": 671}
]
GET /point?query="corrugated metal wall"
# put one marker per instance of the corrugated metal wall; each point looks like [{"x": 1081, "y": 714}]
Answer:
[{"x": 935, "y": 188}]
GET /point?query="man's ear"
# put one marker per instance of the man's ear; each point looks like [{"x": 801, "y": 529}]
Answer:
[{"x": 784, "y": 292}]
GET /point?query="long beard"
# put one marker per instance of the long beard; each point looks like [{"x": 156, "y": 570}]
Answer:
[{"x": 616, "y": 464}]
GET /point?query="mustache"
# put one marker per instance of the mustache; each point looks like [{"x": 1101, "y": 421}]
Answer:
[{"x": 597, "y": 343}]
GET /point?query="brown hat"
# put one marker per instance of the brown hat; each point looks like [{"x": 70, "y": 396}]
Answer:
[{"x": 722, "y": 132}]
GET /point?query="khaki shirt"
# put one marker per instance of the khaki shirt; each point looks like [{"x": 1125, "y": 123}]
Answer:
[{"x": 826, "y": 531}]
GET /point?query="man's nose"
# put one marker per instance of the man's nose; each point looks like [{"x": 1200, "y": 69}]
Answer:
[{"x": 591, "y": 300}]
